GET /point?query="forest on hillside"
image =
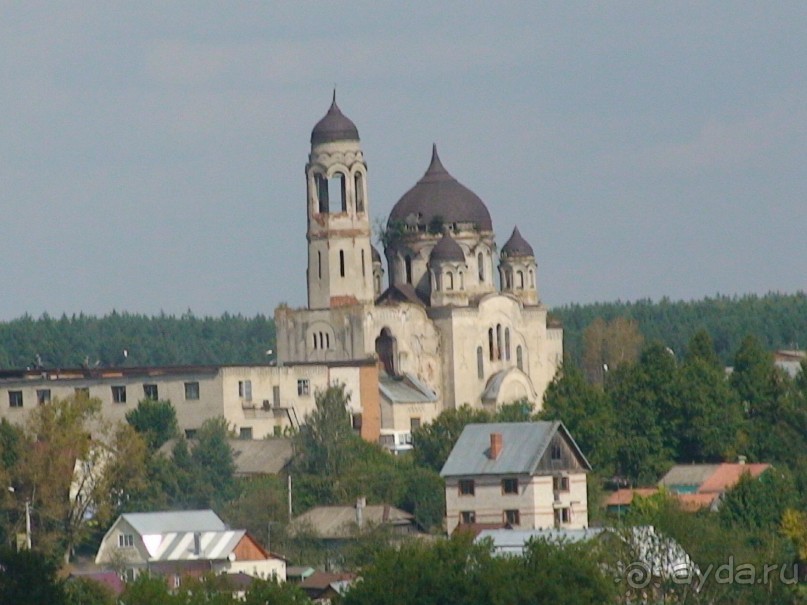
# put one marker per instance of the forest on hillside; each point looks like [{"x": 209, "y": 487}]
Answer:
[
  {"x": 124, "y": 339},
  {"x": 778, "y": 321}
]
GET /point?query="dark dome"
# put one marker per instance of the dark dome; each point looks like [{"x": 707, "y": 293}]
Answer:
[
  {"x": 517, "y": 246},
  {"x": 335, "y": 126},
  {"x": 438, "y": 194},
  {"x": 447, "y": 250},
  {"x": 374, "y": 254}
]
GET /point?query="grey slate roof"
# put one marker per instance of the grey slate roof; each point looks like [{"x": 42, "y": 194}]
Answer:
[
  {"x": 251, "y": 456},
  {"x": 338, "y": 522},
  {"x": 438, "y": 194},
  {"x": 174, "y": 521},
  {"x": 524, "y": 444},
  {"x": 406, "y": 389}
]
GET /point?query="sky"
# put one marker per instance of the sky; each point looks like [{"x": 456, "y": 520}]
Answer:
[{"x": 152, "y": 154}]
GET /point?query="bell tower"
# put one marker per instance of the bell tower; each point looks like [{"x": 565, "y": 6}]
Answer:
[{"x": 340, "y": 259}]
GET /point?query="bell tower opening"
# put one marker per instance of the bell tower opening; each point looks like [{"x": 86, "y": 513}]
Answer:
[{"x": 386, "y": 347}]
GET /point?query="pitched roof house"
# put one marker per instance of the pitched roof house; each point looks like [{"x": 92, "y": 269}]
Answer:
[
  {"x": 519, "y": 474},
  {"x": 182, "y": 543}
]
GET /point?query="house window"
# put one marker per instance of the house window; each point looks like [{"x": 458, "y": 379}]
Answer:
[
  {"x": 414, "y": 424},
  {"x": 555, "y": 451},
  {"x": 125, "y": 540},
  {"x": 560, "y": 484},
  {"x": 15, "y": 399},
  {"x": 563, "y": 516},
  {"x": 490, "y": 344},
  {"x": 119, "y": 394},
  {"x": 341, "y": 263},
  {"x": 512, "y": 517},
  {"x": 303, "y": 387},
  {"x": 510, "y": 485},
  {"x": 467, "y": 517},
  {"x": 82, "y": 392},
  {"x": 466, "y": 487},
  {"x": 177, "y": 581},
  {"x": 42, "y": 396},
  {"x": 150, "y": 392},
  {"x": 245, "y": 432},
  {"x": 245, "y": 389},
  {"x": 499, "y": 341},
  {"x": 191, "y": 390}
]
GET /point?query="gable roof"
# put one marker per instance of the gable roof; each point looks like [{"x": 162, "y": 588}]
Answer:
[
  {"x": 404, "y": 389},
  {"x": 523, "y": 446},
  {"x": 709, "y": 478},
  {"x": 181, "y": 546},
  {"x": 174, "y": 521},
  {"x": 335, "y": 522}
]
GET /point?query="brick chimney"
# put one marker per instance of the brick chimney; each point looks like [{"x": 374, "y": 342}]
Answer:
[{"x": 496, "y": 445}]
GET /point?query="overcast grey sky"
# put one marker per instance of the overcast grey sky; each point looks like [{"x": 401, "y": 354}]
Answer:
[{"x": 152, "y": 154}]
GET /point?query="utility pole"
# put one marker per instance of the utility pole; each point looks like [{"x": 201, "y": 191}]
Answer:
[{"x": 28, "y": 524}]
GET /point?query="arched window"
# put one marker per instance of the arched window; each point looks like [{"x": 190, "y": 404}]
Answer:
[
  {"x": 319, "y": 265},
  {"x": 321, "y": 340},
  {"x": 408, "y": 268},
  {"x": 532, "y": 279},
  {"x": 322, "y": 193},
  {"x": 449, "y": 281},
  {"x": 462, "y": 281},
  {"x": 490, "y": 344},
  {"x": 362, "y": 264},
  {"x": 508, "y": 280},
  {"x": 499, "y": 341},
  {"x": 507, "y": 344},
  {"x": 314, "y": 339},
  {"x": 480, "y": 364},
  {"x": 358, "y": 185},
  {"x": 480, "y": 261},
  {"x": 341, "y": 263},
  {"x": 520, "y": 280},
  {"x": 386, "y": 349},
  {"x": 327, "y": 340},
  {"x": 519, "y": 358}
]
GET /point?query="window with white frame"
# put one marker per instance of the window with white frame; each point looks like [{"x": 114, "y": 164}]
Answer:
[
  {"x": 303, "y": 387},
  {"x": 125, "y": 541}
]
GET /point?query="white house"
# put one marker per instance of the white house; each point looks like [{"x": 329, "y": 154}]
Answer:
[
  {"x": 184, "y": 543},
  {"x": 528, "y": 475}
]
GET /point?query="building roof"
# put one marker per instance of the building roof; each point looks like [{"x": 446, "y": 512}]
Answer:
[
  {"x": 523, "y": 446},
  {"x": 447, "y": 250},
  {"x": 174, "y": 521},
  {"x": 261, "y": 456},
  {"x": 339, "y": 522},
  {"x": 334, "y": 126},
  {"x": 404, "y": 389},
  {"x": 624, "y": 496},
  {"x": 182, "y": 546},
  {"x": 708, "y": 478},
  {"x": 439, "y": 195},
  {"x": 516, "y": 246}
]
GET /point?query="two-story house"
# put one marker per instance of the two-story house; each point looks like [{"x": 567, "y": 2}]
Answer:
[
  {"x": 176, "y": 544},
  {"x": 528, "y": 475}
]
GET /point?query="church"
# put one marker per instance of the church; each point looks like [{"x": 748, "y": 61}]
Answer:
[{"x": 458, "y": 321}]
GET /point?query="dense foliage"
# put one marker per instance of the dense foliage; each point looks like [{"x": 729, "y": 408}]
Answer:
[
  {"x": 160, "y": 340},
  {"x": 776, "y": 320}
]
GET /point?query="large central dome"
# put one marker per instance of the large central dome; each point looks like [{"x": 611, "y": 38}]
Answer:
[{"x": 438, "y": 195}]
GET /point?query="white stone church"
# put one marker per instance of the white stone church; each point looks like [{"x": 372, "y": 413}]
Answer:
[{"x": 445, "y": 331}]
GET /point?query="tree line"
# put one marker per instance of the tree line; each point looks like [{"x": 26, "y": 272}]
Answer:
[{"x": 126, "y": 339}]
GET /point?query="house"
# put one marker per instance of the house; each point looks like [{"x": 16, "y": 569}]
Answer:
[
  {"x": 184, "y": 543},
  {"x": 252, "y": 457},
  {"x": 695, "y": 486},
  {"x": 519, "y": 474},
  {"x": 338, "y": 523},
  {"x": 323, "y": 587}
]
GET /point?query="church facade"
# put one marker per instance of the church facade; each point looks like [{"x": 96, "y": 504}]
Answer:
[{"x": 444, "y": 331}]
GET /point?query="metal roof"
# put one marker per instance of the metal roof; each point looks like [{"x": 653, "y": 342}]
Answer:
[
  {"x": 181, "y": 546},
  {"x": 174, "y": 521},
  {"x": 406, "y": 389},
  {"x": 524, "y": 443},
  {"x": 335, "y": 522}
]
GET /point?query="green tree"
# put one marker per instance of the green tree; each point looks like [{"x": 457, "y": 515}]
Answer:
[
  {"x": 155, "y": 420},
  {"x": 759, "y": 503},
  {"x": 269, "y": 592},
  {"x": 433, "y": 442},
  {"x": 324, "y": 438},
  {"x": 587, "y": 413},
  {"x": 29, "y": 578},
  {"x": 83, "y": 591},
  {"x": 213, "y": 460}
]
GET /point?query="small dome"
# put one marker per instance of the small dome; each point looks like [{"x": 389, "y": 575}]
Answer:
[
  {"x": 440, "y": 195},
  {"x": 516, "y": 246},
  {"x": 374, "y": 254},
  {"x": 447, "y": 250},
  {"x": 335, "y": 126}
]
